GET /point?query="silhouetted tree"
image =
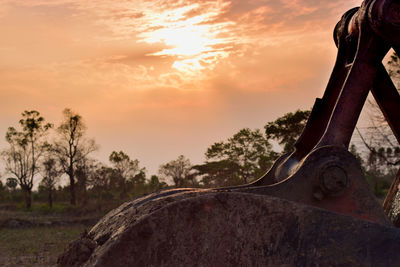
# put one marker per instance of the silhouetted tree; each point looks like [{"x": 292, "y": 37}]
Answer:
[
  {"x": 100, "y": 179},
  {"x": 2, "y": 191},
  {"x": 178, "y": 170},
  {"x": 51, "y": 174},
  {"x": 218, "y": 173},
  {"x": 71, "y": 146},
  {"x": 12, "y": 183},
  {"x": 287, "y": 128},
  {"x": 26, "y": 147},
  {"x": 122, "y": 163},
  {"x": 127, "y": 172},
  {"x": 155, "y": 184},
  {"x": 85, "y": 172},
  {"x": 240, "y": 159}
]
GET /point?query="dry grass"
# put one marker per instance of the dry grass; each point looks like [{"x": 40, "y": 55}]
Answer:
[
  {"x": 36, "y": 246},
  {"x": 38, "y": 236}
]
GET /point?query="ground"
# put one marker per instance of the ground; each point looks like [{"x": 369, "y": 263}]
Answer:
[
  {"x": 36, "y": 246},
  {"x": 36, "y": 238}
]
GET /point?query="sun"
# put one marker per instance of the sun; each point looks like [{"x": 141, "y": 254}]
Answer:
[
  {"x": 194, "y": 43},
  {"x": 189, "y": 40}
]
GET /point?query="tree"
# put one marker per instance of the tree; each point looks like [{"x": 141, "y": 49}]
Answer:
[
  {"x": 155, "y": 184},
  {"x": 382, "y": 157},
  {"x": 394, "y": 68},
  {"x": 240, "y": 159},
  {"x": 287, "y": 128},
  {"x": 71, "y": 146},
  {"x": 178, "y": 170},
  {"x": 126, "y": 169},
  {"x": 218, "y": 173},
  {"x": 12, "y": 183},
  {"x": 124, "y": 165},
  {"x": 2, "y": 191},
  {"x": 25, "y": 151},
  {"x": 85, "y": 169},
  {"x": 100, "y": 179},
  {"x": 51, "y": 175},
  {"x": 379, "y": 134}
]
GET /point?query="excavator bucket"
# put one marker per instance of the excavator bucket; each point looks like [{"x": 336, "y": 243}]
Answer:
[{"x": 312, "y": 208}]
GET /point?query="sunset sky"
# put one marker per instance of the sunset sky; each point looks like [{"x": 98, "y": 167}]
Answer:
[{"x": 161, "y": 78}]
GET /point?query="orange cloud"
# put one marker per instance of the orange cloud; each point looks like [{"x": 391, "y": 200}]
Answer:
[{"x": 171, "y": 76}]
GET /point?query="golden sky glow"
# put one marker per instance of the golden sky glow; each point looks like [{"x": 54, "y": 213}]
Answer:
[
  {"x": 162, "y": 78},
  {"x": 194, "y": 40}
]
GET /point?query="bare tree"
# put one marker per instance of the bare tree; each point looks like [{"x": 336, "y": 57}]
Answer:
[
  {"x": 25, "y": 150},
  {"x": 378, "y": 137},
  {"x": 383, "y": 151},
  {"x": 71, "y": 146}
]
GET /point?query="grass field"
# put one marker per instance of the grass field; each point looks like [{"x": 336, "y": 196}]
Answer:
[
  {"x": 37, "y": 237},
  {"x": 35, "y": 246}
]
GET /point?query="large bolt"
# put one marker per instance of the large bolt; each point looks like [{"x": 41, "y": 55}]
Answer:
[{"x": 333, "y": 180}]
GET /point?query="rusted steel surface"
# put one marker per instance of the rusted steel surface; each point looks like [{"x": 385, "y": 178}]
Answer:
[
  {"x": 232, "y": 229},
  {"x": 329, "y": 178}
]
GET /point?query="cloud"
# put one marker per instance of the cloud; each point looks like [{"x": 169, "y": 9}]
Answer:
[
  {"x": 141, "y": 90},
  {"x": 176, "y": 42},
  {"x": 264, "y": 41}
]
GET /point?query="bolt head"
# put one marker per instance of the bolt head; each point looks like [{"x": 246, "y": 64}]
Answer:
[{"x": 333, "y": 179}]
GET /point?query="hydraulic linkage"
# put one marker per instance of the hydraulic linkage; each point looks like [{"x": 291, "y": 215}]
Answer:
[
  {"x": 320, "y": 171},
  {"x": 266, "y": 223}
]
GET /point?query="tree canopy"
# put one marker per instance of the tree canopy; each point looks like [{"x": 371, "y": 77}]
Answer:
[
  {"x": 287, "y": 128},
  {"x": 177, "y": 170},
  {"x": 240, "y": 158}
]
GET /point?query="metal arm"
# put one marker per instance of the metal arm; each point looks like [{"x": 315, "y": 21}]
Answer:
[{"x": 320, "y": 171}]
